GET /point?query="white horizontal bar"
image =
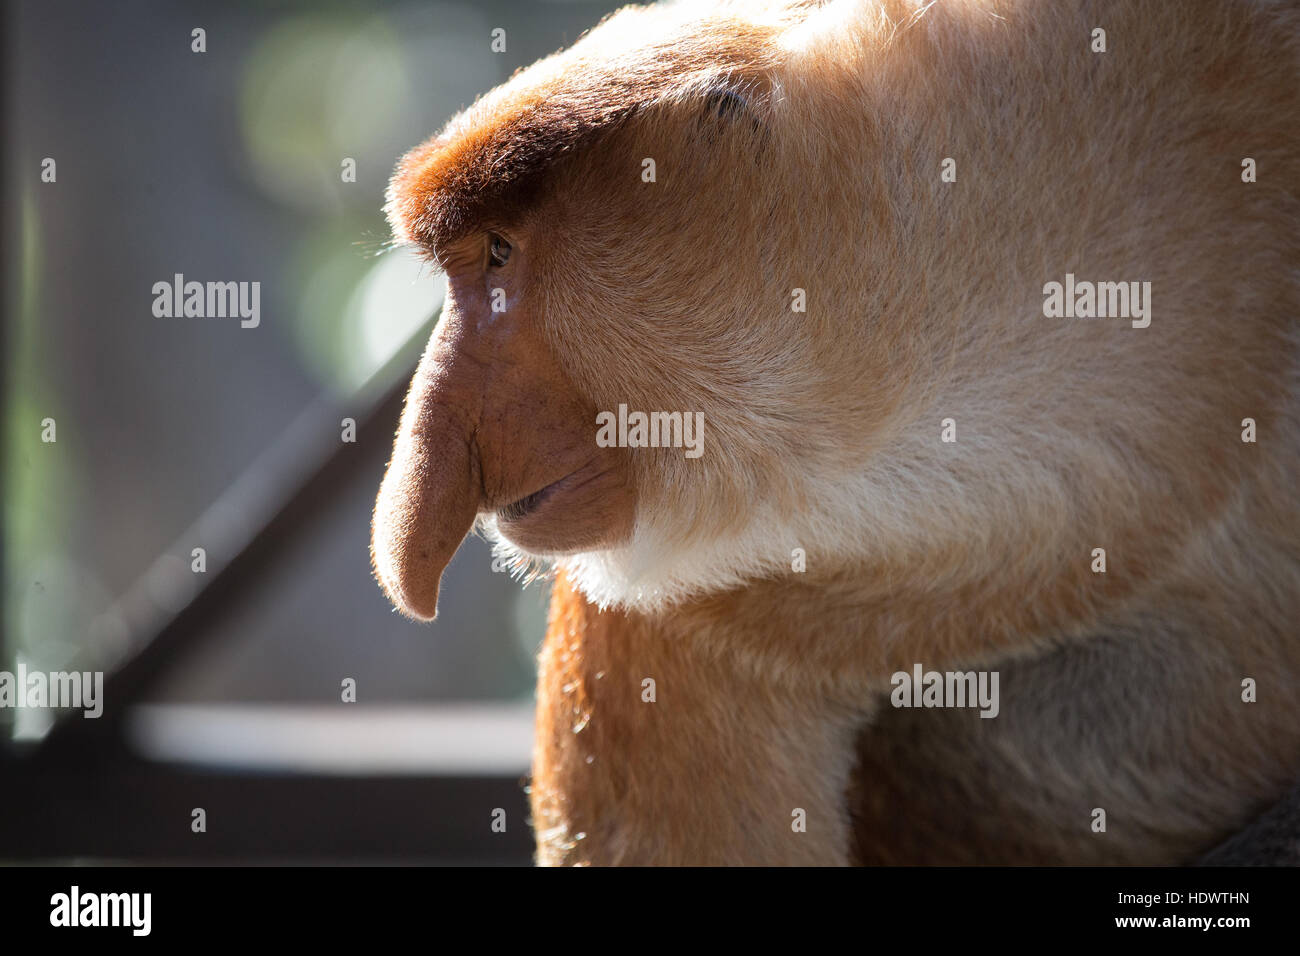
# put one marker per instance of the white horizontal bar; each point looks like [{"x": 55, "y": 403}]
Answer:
[{"x": 347, "y": 739}]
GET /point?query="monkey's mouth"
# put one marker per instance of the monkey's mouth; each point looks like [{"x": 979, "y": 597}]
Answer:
[
  {"x": 586, "y": 508},
  {"x": 518, "y": 510},
  {"x": 530, "y": 505}
]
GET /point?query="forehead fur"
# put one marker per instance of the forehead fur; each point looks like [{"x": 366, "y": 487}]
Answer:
[{"x": 490, "y": 160}]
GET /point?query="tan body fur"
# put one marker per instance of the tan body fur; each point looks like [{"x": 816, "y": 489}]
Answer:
[{"x": 1121, "y": 690}]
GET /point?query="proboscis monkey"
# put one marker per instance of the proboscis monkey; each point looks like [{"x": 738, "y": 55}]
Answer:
[{"x": 857, "y": 244}]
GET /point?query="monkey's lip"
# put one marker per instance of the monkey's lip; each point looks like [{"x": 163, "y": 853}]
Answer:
[
  {"x": 587, "y": 508},
  {"x": 535, "y": 503}
]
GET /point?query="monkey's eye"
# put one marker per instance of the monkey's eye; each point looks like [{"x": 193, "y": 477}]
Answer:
[{"x": 499, "y": 250}]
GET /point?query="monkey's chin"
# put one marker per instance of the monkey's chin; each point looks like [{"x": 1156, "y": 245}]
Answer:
[{"x": 656, "y": 566}]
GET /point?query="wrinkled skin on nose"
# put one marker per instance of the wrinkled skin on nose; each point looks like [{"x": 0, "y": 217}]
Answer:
[
  {"x": 432, "y": 488},
  {"x": 491, "y": 424}
]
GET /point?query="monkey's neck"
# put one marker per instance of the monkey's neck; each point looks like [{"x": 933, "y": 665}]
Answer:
[{"x": 638, "y": 721}]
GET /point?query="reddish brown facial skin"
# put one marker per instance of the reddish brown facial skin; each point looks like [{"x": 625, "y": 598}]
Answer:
[{"x": 492, "y": 424}]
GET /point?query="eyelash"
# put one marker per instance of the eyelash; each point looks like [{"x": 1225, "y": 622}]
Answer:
[{"x": 498, "y": 251}]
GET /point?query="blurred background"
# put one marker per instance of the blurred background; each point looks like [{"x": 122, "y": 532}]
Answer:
[{"x": 263, "y": 158}]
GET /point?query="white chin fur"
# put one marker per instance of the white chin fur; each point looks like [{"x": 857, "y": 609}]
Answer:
[{"x": 656, "y": 570}]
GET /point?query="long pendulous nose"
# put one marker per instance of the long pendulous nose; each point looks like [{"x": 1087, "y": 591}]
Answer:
[{"x": 432, "y": 488}]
